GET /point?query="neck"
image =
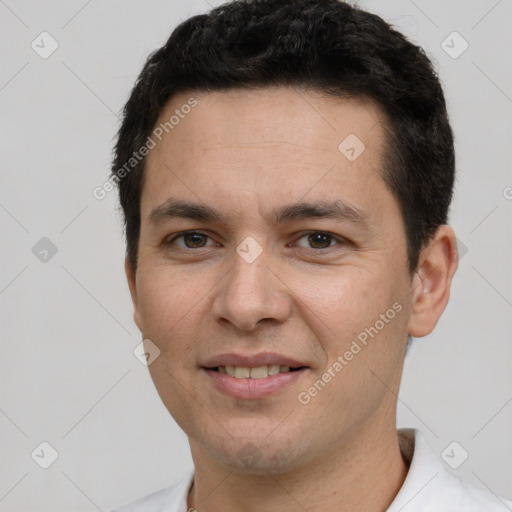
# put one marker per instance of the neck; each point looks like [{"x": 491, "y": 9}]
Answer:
[{"x": 364, "y": 475}]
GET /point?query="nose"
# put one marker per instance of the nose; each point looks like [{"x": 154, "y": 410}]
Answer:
[{"x": 250, "y": 295}]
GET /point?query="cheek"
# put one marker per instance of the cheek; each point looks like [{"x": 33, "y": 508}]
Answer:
[
  {"x": 346, "y": 300},
  {"x": 169, "y": 309},
  {"x": 361, "y": 330},
  {"x": 167, "y": 304},
  {"x": 359, "y": 316}
]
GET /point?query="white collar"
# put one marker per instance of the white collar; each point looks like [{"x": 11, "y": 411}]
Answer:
[{"x": 428, "y": 487}]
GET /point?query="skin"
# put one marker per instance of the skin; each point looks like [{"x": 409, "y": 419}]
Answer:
[{"x": 245, "y": 153}]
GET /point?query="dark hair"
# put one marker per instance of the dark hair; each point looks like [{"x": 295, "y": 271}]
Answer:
[{"x": 323, "y": 45}]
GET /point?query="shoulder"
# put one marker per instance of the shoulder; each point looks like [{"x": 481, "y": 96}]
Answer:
[
  {"x": 451, "y": 493},
  {"x": 430, "y": 487},
  {"x": 170, "y": 499}
]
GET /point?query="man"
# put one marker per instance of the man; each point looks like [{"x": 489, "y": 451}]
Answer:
[{"x": 285, "y": 168}]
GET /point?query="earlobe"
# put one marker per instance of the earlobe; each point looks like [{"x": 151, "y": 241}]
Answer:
[
  {"x": 431, "y": 283},
  {"x": 132, "y": 285}
]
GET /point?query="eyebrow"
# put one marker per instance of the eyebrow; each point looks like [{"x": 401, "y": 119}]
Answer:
[{"x": 337, "y": 210}]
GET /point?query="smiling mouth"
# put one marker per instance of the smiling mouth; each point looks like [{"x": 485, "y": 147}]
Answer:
[{"x": 258, "y": 372}]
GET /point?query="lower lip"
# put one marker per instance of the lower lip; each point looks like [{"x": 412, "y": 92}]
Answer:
[{"x": 252, "y": 388}]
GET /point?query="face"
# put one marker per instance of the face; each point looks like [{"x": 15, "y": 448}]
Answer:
[{"x": 265, "y": 244}]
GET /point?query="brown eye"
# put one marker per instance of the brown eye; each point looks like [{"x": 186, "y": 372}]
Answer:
[
  {"x": 190, "y": 240},
  {"x": 193, "y": 240},
  {"x": 318, "y": 240}
]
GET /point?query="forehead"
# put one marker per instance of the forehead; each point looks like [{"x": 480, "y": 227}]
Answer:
[
  {"x": 281, "y": 142},
  {"x": 283, "y": 115}
]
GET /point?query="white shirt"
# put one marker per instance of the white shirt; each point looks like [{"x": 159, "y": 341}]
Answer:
[{"x": 428, "y": 487}]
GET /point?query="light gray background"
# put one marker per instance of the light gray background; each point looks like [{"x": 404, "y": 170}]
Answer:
[{"x": 68, "y": 374}]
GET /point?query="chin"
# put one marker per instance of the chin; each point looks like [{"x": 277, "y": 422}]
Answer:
[
  {"x": 249, "y": 458},
  {"x": 257, "y": 451}
]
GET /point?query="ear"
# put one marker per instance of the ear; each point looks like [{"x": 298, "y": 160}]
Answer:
[
  {"x": 432, "y": 280},
  {"x": 132, "y": 284}
]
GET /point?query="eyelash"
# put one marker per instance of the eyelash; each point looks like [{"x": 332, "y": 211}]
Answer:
[{"x": 341, "y": 241}]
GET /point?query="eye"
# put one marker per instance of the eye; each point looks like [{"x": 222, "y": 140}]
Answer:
[
  {"x": 316, "y": 240},
  {"x": 190, "y": 240},
  {"x": 319, "y": 240}
]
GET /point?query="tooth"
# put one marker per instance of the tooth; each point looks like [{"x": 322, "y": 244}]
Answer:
[
  {"x": 242, "y": 372},
  {"x": 259, "y": 372},
  {"x": 273, "y": 369}
]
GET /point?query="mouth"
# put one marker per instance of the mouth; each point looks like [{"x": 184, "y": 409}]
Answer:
[
  {"x": 258, "y": 372},
  {"x": 252, "y": 376}
]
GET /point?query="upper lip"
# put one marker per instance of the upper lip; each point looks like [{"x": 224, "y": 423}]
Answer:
[{"x": 252, "y": 360}]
